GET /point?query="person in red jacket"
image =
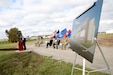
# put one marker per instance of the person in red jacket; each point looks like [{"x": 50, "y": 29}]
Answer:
[{"x": 20, "y": 44}]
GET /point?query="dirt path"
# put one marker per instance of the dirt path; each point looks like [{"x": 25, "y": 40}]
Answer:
[{"x": 68, "y": 56}]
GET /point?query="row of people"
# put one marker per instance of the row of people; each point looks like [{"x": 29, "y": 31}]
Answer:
[
  {"x": 53, "y": 42},
  {"x": 56, "y": 42}
]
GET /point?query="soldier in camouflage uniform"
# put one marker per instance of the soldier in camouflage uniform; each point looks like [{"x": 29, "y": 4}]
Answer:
[{"x": 64, "y": 42}]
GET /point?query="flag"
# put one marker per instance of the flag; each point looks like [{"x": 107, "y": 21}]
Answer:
[
  {"x": 63, "y": 31},
  {"x": 61, "y": 34},
  {"x": 69, "y": 34}
]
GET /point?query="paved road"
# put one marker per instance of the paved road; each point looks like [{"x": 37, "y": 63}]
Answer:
[{"x": 68, "y": 56}]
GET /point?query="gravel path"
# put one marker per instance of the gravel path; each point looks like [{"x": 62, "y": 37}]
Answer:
[{"x": 68, "y": 56}]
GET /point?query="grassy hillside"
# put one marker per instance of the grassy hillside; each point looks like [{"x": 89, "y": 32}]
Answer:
[
  {"x": 33, "y": 64},
  {"x": 106, "y": 39}
]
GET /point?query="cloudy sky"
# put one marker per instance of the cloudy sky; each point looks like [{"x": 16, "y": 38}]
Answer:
[{"x": 38, "y": 17}]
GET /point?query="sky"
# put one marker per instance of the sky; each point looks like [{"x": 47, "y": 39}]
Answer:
[{"x": 43, "y": 17}]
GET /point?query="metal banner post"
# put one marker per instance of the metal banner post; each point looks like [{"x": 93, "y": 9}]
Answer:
[
  {"x": 108, "y": 68},
  {"x": 83, "y": 69},
  {"x": 74, "y": 64}
]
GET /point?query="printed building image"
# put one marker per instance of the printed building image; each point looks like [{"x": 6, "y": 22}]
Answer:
[{"x": 85, "y": 33}]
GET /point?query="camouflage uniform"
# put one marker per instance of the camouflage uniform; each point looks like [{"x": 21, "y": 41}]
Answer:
[
  {"x": 39, "y": 41},
  {"x": 64, "y": 42}
]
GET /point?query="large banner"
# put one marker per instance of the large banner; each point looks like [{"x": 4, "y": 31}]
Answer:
[{"x": 85, "y": 30}]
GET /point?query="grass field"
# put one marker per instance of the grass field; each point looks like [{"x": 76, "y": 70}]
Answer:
[
  {"x": 106, "y": 39},
  {"x": 12, "y": 63},
  {"x": 6, "y": 44}
]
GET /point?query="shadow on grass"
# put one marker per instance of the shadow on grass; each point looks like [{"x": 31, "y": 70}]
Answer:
[{"x": 8, "y": 49}]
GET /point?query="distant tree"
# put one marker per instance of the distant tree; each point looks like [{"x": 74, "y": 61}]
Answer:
[{"x": 13, "y": 34}]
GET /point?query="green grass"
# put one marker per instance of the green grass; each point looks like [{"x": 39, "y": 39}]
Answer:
[
  {"x": 20, "y": 64},
  {"x": 4, "y": 42},
  {"x": 9, "y": 45},
  {"x": 28, "y": 63},
  {"x": 5, "y": 53},
  {"x": 31, "y": 40}
]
